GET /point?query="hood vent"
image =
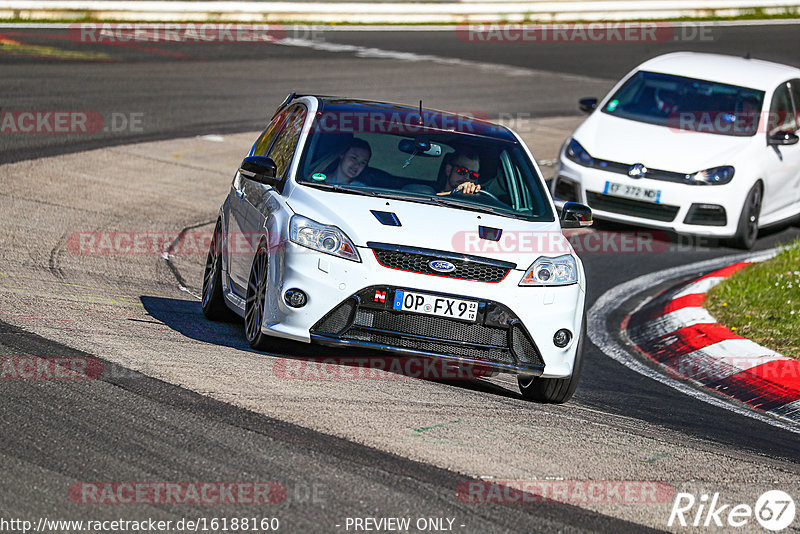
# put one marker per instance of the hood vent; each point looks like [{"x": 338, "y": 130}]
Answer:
[
  {"x": 387, "y": 218},
  {"x": 490, "y": 234}
]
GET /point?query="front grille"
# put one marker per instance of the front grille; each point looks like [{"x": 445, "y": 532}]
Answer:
[
  {"x": 488, "y": 355},
  {"x": 706, "y": 215},
  {"x": 337, "y": 319},
  {"x": 466, "y": 268},
  {"x": 430, "y": 326},
  {"x": 521, "y": 344},
  {"x": 653, "y": 174},
  {"x": 496, "y": 336},
  {"x": 566, "y": 190},
  {"x": 634, "y": 208}
]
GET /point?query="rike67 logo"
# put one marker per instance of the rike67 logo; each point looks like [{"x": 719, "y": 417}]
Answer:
[{"x": 774, "y": 510}]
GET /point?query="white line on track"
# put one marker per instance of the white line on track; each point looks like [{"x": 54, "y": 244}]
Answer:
[
  {"x": 379, "y": 53},
  {"x": 420, "y": 28},
  {"x": 610, "y": 300}
]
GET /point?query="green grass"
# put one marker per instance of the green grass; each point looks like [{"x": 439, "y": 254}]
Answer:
[{"x": 762, "y": 302}]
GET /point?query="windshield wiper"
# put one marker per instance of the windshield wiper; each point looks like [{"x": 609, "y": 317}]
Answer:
[
  {"x": 341, "y": 189},
  {"x": 469, "y": 206}
]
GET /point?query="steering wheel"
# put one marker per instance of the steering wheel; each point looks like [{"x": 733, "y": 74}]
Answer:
[
  {"x": 490, "y": 195},
  {"x": 480, "y": 192}
]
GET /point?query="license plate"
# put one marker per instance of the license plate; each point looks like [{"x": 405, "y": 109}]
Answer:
[
  {"x": 435, "y": 305},
  {"x": 633, "y": 191}
]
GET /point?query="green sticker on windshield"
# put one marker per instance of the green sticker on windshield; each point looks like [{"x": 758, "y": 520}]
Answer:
[
  {"x": 612, "y": 105},
  {"x": 319, "y": 177}
]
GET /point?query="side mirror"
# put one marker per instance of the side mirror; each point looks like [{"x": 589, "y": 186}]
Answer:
[
  {"x": 261, "y": 169},
  {"x": 587, "y": 105},
  {"x": 782, "y": 138},
  {"x": 574, "y": 215}
]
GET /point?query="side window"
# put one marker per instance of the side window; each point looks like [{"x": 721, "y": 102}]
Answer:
[
  {"x": 796, "y": 100},
  {"x": 283, "y": 149},
  {"x": 262, "y": 144},
  {"x": 781, "y": 111}
]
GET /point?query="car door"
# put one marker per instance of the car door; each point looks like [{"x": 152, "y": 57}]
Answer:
[
  {"x": 259, "y": 197},
  {"x": 239, "y": 246},
  {"x": 782, "y": 163}
]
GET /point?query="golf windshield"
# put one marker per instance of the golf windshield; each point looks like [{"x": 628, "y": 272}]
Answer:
[
  {"x": 688, "y": 104},
  {"x": 425, "y": 165}
]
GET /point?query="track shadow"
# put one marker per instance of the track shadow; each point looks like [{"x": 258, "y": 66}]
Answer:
[{"x": 186, "y": 317}]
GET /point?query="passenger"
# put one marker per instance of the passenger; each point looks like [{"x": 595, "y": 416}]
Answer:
[
  {"x": 461, "y": 174},
  {"x": 351, "y": 164}
]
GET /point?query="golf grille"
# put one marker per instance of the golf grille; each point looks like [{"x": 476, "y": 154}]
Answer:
[{"x": 634, "y": 208}]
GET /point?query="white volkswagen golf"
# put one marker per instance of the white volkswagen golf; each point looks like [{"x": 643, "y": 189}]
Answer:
[
  {"x": 701, "y": 144},
  {"x": 423, "y": 233}
]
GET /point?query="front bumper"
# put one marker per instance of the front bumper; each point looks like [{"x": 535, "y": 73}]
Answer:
[
  {"x": 496, "y": 339},
  {"x": 711, "y": 211},
  {"x": 330, "y": 282}
]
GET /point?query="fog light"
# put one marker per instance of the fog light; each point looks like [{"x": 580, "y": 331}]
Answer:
[
  {"x": 295, "y": 298},
  {"x": 562, "y": 338}
]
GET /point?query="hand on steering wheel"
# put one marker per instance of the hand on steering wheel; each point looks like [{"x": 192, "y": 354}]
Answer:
[{"x": 471, "y": 188}]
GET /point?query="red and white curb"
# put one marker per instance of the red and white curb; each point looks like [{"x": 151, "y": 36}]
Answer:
[
  {"x": 676, "y": 332},
  {"x": 606, "y": 336}
]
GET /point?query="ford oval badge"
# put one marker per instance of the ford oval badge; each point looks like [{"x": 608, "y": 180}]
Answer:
[{"x": 441, "y": 266}]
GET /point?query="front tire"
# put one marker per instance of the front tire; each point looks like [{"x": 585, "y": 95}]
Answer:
[
  {"x": 747, "y": 229},
  {"x": 256, "y": 298},
  {"x": 213, "y": 303},
  {"x": 555, "y": 390}
]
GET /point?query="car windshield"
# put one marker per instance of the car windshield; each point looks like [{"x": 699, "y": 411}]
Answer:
[
  {"x": 422, "y": 164},
  {"x": 688, "y": 104}
]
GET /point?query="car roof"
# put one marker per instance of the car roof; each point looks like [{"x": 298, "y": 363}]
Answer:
[
  {"x": 752, "y": 73},
  {"x": 409, "y": 115}
]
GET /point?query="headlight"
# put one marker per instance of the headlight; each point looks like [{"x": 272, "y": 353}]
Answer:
[
  {"x": 558, "y": 271},
  {"x": 578, "y": 154},
  {"x": 715, "y": 176},
  {"x": 322, "y": 238}
]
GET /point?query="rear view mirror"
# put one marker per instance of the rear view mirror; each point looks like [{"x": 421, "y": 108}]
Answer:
[
  {"x": 420, "y": 147},
  {"x": 574, "y": 215},
  {"x": 261, "y": 169},
  {"x": 782, "y": 138},
  {"x": 587, "y": 105}
]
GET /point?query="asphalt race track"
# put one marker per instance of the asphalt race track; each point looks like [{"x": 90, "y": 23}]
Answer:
[{"x": 185, "y": 400}]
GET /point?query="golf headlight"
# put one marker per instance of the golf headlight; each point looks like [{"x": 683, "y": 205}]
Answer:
[
  {"x": 715, "y": 176},
  {"x": 322, "y": 238},
  {"x": 558, "y": 271},
  {"x": 578, "y": 154}
]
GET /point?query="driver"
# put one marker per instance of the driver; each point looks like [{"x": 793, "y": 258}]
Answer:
[{"x": 462, "y": 174}]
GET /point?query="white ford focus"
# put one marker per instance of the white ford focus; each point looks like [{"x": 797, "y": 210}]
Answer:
[
  {"x": 701, "y": 144},
  {"x": 423, "y": 233}
]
